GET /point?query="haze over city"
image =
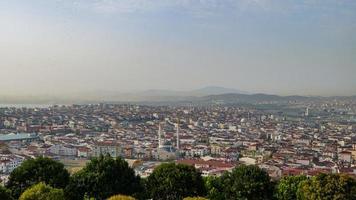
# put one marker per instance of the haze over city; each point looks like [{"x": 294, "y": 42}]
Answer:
[
  {"x": 54, "y": 47},
  {"x": 178, "y": 99}
]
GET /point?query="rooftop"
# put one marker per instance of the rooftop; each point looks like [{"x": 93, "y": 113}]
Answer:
[{"x": 18, "y": 136}]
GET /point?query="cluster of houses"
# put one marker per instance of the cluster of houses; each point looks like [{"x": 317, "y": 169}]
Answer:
[{"x": 214, "y": 139}]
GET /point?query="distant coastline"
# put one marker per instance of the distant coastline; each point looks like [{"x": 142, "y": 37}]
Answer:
[{"x": 14, "y": 105}]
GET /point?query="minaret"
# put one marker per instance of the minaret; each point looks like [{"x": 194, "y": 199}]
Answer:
[
  {"x": 159, "y": 136},
  {"x": 178, "y": 135}
]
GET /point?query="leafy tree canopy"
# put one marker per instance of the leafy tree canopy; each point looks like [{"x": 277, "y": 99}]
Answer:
[
  {"x": 288, "y": 186},
  {"x": 247, "y": 182},
  {"x": 214, "y": 188},
  {"x": 195, "y": 198},
  {"x": 5, "y": 194},
  {"x": 103, "y": 177},
  {"x": 175, "y": 181},
  {"x": 121, "y": 197},
  {"x": 328, "y": 187},
  {"x": 42, "y": 191},
  {"x": 37, "y": 170}
]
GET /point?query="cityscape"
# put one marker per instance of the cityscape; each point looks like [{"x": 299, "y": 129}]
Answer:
[
  {"x": 290, "y": 139},
  {"x": 177, "y": 100}
]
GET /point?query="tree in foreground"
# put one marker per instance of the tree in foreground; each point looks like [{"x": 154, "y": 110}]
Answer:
[
  {"x": 37, "y": 170},
  {"x": 5, "y": 194},
  {"x": 172, "y": 181},
  {"x": 214, "y": 187},
  {"x": 42, "y": 191},
  {"x": 103, "y": 177},
  {"x": 121, "y": 197},
  {"x": 288, "y": 186},
  {"x": 195, "y": 198},
  {"x": 247, "y": 182},
  {"x": 328, "y": 187}
]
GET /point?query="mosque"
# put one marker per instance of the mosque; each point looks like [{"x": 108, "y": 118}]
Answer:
[{"x": 165, "y": 149}]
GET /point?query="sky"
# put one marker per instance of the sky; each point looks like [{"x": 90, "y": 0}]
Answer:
[{"x": 286, "y": 47}]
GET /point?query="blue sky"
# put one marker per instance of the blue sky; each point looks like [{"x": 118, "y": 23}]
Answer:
[{"x": 283, "y": 47}]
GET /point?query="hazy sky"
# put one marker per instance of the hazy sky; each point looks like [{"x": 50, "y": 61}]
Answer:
[{"x": 271, "y": 46}]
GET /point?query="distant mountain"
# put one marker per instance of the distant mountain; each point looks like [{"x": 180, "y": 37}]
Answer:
[
  {"x": 267, "y": 98},
  {"x": 212, "y": 90},
  {"x": 206, "y": 95},
  {"x": 215, "y": 90},
  {"x": 253, "y": 98}
]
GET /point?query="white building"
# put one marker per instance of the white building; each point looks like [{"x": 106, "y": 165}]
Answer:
[
  {"x": 109, "y": 147},
  {"x": 9, "y": 162},
  {"x": 63, "y": 150}
]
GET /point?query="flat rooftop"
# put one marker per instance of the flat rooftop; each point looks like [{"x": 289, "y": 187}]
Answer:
[{"x": 18, "y": 136}]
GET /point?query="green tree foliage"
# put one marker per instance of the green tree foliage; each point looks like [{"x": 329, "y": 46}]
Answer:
[
  {"x": 247, "y": 182},
  {"x": 5, "y": 194},
  {"x": 214, "y": 187},
  {"x": 121, "y": 197},
  {"x": 37, "y": 170},
  {"x": 195, "y": 198},
  {"x": 42, "y": 191},
  {"x": 103, "y": 177},
  {"x": 88, "y": 198},
  {"x": 288, "y": 186},
  {"x": 172, "y": 181},
  {"x": 328, "y": 187}
]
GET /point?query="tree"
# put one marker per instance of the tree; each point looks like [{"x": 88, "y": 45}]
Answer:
[
  {"x": 37, "y": 170},
  {"x": 288, "y": 186},
  {"x": 121, "y": 197},
  {"x": 327, "y": 187},
  {"x": 5, "y": 194},
  {"x": 214, "y": 187},
  {"x": 247, "y": 182},
  {"x": 42, "y": 191},
  {"x": 195, "y": 198},
  {"x": 103, "y": 177},
  {"x": 174, "y": 181}
]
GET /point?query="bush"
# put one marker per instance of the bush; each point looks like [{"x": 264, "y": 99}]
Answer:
[{"x": 42, "y": 191}]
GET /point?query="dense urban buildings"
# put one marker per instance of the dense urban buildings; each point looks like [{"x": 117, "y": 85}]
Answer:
[{"x": 294, "y": 138}]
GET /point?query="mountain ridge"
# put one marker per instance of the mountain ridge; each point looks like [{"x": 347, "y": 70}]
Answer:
[{"x": 205, "y": 94}]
